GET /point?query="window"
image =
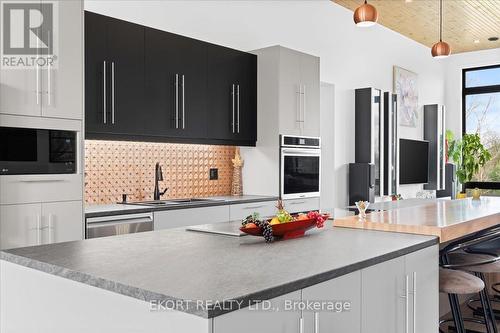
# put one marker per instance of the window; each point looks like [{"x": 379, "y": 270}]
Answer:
[{"x": 481, "y": 114}]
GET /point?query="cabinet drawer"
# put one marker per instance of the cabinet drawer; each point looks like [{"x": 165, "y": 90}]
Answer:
[
  {"x": 240, "y": 211},
  {"x": 16, "y": 189},
  {"x": 301, "y": 205},
  {"x": 190, "y": 216}
]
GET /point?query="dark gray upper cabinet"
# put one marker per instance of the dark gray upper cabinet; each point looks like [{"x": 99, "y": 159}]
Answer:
[
  {"x": 232, "y": 90},
  {"x": 176, "y": 85},
  {"x": 114, "y": 72},
  {"x": 147, "y": 84}
]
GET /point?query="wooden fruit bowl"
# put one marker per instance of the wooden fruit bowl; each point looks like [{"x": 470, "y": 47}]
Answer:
[{"x": 286, "y": 230}]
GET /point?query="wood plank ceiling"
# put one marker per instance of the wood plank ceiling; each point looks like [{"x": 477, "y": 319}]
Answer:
[{"x": 467, "y": 24}]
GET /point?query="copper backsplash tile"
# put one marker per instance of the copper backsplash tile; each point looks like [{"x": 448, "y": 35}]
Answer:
[{"x": 113, "y": 168}]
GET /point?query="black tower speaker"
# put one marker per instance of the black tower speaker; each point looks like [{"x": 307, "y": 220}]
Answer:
[{"x": 361, "y": 182}]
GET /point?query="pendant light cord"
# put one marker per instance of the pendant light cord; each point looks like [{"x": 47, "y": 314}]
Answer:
[{"x": 440, "y": 20}]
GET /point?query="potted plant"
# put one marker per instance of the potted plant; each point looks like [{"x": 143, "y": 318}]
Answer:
[{"x": 468, "y": 154}]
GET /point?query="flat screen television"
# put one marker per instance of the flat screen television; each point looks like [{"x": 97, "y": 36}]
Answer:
[{"x": 413, "y": 161}]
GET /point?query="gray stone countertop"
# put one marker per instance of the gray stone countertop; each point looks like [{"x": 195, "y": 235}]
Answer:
[
  {"x": 97, "y": 210},
  {"x": 189, "y": 266},
  {"x": 181, "y": 265}
]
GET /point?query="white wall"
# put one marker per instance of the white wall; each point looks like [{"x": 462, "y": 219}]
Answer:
[
  {"x": 453, "y": 82},
  {"x": 350, "y": 57}
]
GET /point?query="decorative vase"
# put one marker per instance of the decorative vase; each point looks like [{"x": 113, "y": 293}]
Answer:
[
  {"x": 237, "y": 183},
  {"x": 476, "y": 194}
]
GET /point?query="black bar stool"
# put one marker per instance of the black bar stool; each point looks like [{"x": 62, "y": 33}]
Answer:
[
  {"x": 479, "y": 264},
  {"x": 490, "y": 248},
  {"x": 453, "y": 257},
  {"x": 456, "y": 283}
]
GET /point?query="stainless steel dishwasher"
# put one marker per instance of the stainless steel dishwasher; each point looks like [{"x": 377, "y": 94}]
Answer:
[{"x": 118, "y": 224}]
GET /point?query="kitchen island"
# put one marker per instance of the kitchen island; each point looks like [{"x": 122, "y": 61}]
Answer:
[
  {"x": 447, "y": 219},
  {"x": 181, "y": 281}
]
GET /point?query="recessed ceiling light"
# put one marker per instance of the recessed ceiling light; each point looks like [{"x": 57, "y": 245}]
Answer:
[
  {"x": 476, "y": 41},
  {"x": 408, "y": 1},
  {"x": 493, "y": 39}
]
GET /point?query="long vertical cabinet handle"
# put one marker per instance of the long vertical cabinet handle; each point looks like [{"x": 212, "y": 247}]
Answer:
[
  {"x": 37, "y": 74},
  {"x": 176, "y": 100},
  {"x": 49, "y": 70},
  {"x": 238, "y": 108},
  {"x": 316, "y": 322},
  {"x": 414, "y": 302},
  {"x": 301, "y": 324},
  {"x": 299, "y": 103},
  {"x": 232, "y": 98},
  {"x": 50, "y": 227},
  {"x": 183, "y": 104},
  {"x": 104, "y": 102},
  {"x": 304, "y": 109},
  {"x": 112, "y": 92},
  {"x": 38, "y": 229}
]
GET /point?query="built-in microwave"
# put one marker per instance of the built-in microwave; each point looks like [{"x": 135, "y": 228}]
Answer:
[
  {"x": 300, "y": 164},
  {"x": 37, "y": 151}
]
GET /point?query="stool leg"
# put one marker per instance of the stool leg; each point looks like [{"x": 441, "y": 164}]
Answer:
[
  {"x": 457, "y": 315},
  {"x": 488, "y": 304}
]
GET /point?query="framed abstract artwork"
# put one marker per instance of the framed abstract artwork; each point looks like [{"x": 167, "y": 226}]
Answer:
[{"x": 406, "y": 88}]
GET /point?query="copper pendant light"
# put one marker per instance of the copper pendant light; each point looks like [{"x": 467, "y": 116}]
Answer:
[
  {"x": 440, "y": 49},
  {"x": 365, "y": 15}
]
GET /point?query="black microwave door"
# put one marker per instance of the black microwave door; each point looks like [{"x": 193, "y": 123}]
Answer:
[
  {"x": 300, "y": 174},
  {"x": 19, "y": 150},
  {"x": 18, "y": 145}
]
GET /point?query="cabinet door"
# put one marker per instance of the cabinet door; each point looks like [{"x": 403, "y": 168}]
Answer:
[
  {"x": 289, "y": 93},
  {"x": 96, "y": 119},
  {"x": 225, "y": 71},
  {"x": 62, "y": 221},
  {"x": 309, "y": 74},
  {"x": 176, "y": 85},
  {"x": 168, "y": 219},
  {"x": 62, "y": 82},
  {"x": 383, "y": 308},
  {"x": 20, "y": 88},
  {"x": 344, "y": 293},
  {"x": 247, "y": 320},
  {"x": 20, "y": 225},
  {"x": 422, "y": 269},
  {"x": 125, "y": 52},
  {"x": 246, "y": 100}
]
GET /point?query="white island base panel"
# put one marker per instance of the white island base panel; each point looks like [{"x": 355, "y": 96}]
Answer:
[{"x": 34, "y": 301}]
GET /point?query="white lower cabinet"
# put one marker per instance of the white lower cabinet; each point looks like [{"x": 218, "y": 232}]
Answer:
[
  {"x": 341, "y": 313},
  {"x": 20, "y": 225},
  {"x": 240, "y": 211},
  {"x": 382, "y": 288},
  {"x": 40, "y": 223},
  {"x": 402, "y": 294},
  {"x": 62, "y": 221},
  {"x": 422, "y": 269},
  {"x": 175, "y": 218},
  {"x": 251, "y": 320}
]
